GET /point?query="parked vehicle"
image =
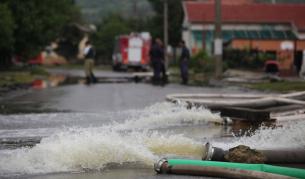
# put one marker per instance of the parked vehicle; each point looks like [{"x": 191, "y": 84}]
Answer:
[
  {"x": 45, "y": 58},
  {"x": 38, "y": 60},
  {"x": 132, "y": 51}
]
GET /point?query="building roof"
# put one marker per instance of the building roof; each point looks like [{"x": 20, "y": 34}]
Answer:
[
  {"x": 247, "y": 13},
  {"x": 235, "y": 2}
]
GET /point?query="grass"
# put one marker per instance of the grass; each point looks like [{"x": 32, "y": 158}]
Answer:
[
  {"x": 195, "y": 79},
  {"x": 38, "y": 71},
  {"x": 21, "y": 76},
  {"x": 202, "y": 79},
  {"x": 13, "y": 78},
  {"x": 285, "y": 86}
]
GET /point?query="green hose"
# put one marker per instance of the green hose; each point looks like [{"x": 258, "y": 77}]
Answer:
[{"x": 292, "y": 172}]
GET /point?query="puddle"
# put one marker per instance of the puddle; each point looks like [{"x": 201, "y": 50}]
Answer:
[
  {"x": 55, "y": 81},
  {"x": 61, "y": 80}
]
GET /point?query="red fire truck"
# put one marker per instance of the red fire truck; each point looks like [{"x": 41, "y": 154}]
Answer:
[{"x": 132, "y": 51}]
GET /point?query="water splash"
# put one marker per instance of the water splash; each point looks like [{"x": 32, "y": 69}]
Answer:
[
  {"x": 179, "y": 145},
  {"x": 132, "y": 140},
  {"x": 165, "y": 115},
  {"x": 135, "y": 139},
  {"x": 92, "y": 149},
  {"x": 289, "y": 135}
]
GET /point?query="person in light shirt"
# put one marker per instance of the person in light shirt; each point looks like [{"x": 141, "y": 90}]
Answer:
[{"x": 89, "y": 53}]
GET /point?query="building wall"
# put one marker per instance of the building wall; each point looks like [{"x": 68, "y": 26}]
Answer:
[
  {"x": 301, "y": 45},
  {"x": 187, "y": 37},
  {"x": 284, "y": 50},
  {"x": 234, "y": 26},
  {"x": 266, "y": 45},
  {"x": 263, "y": 45},
  {"x": 200, "y": 36},
  {"x": 301, "y": 36}
]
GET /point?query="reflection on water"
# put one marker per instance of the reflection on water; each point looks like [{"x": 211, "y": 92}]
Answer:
[
  {"x": 55, "y": 80},
  {"x": 126, "y": 139}
]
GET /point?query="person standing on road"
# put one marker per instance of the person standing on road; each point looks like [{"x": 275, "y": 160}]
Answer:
[
  {"x": 156, "y": 57},
  {"x": 184, "y": 58},
  {"x": 163, "y": 65},
  {"x": 89, "y": 53}
]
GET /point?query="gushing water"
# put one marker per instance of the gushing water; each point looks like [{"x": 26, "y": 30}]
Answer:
[
  {"x": 135, "y": 140},
  {"x": 139, "y": 137},
  {"x": 289, "y": 135}
]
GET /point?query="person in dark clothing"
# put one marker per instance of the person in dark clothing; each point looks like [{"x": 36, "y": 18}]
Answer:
[
  {"x": 298, "y": 61},
  {"x": 184, "y": 58},
  {"x": 156, "y": 58},
  {"x": 163, "y": 65},
  {"x": 163, "y": 72},
  {"x": 89, "y": 53}
]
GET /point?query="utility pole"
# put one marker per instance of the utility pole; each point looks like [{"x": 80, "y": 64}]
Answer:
[
  {"x": 218, "y": 40},
  {"x": 136, "y": 14},
  {"x": 165, "y": 30}
]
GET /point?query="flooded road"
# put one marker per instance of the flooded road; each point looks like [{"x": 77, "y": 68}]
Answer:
[{"x": 115, "y": 131}]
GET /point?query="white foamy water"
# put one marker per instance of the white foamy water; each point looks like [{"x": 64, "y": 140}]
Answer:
[
  {"x": 135, "y": 138},
  {"x": 132, "y": 140},
  {"x": 290, "y": 135},
  {"x": 76, "y": 150},
  {"x": 164, "y": 115}
]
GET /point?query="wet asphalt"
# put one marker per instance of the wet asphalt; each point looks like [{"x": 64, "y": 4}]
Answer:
[
  {"x": 77, "y": 100},
  {"x": 101, "y": 97}
]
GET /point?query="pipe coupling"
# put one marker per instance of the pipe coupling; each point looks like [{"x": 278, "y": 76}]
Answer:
[{"x": 158, "y": 165}]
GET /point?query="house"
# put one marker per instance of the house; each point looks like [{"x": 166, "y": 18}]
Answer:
[{"x": 276, "y": 28}]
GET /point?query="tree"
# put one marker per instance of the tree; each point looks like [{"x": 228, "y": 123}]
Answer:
[
  {"x": 6, "y": 28},
  {"x": 35, "y": 33},
  {"x": 37, "y": 23},
  {"x": 95, "y": 11},
  {"x": 6, "y": 35},
  {"x": 175, "y": 15},
  {"x": 103, "y": 40}
]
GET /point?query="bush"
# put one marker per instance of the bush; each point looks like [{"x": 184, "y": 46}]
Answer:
[
  {"x": 104, "y": 39},
  {"x": 201, "y": 62},
  {"x": 38, "y": 71},
  {"x": 248, "y": 59}
]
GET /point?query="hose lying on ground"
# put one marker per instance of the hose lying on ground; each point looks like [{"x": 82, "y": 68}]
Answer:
[{"x": 226, "y": 169}]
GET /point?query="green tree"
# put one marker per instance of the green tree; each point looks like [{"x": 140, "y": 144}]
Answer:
[
  {"x": 104, "y": 39},
  {"x": 175, "y": 18},
  {"x": 37, "y": 23},
  {"x": 6, "y": 28},
  {"x": 95, "y": 11},
  {"x": 6, "y": 35}
]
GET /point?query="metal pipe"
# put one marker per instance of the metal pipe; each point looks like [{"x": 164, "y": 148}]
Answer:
[
  {"x": 288, "y": 156},
  {"x": 213, "y": 153}
]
